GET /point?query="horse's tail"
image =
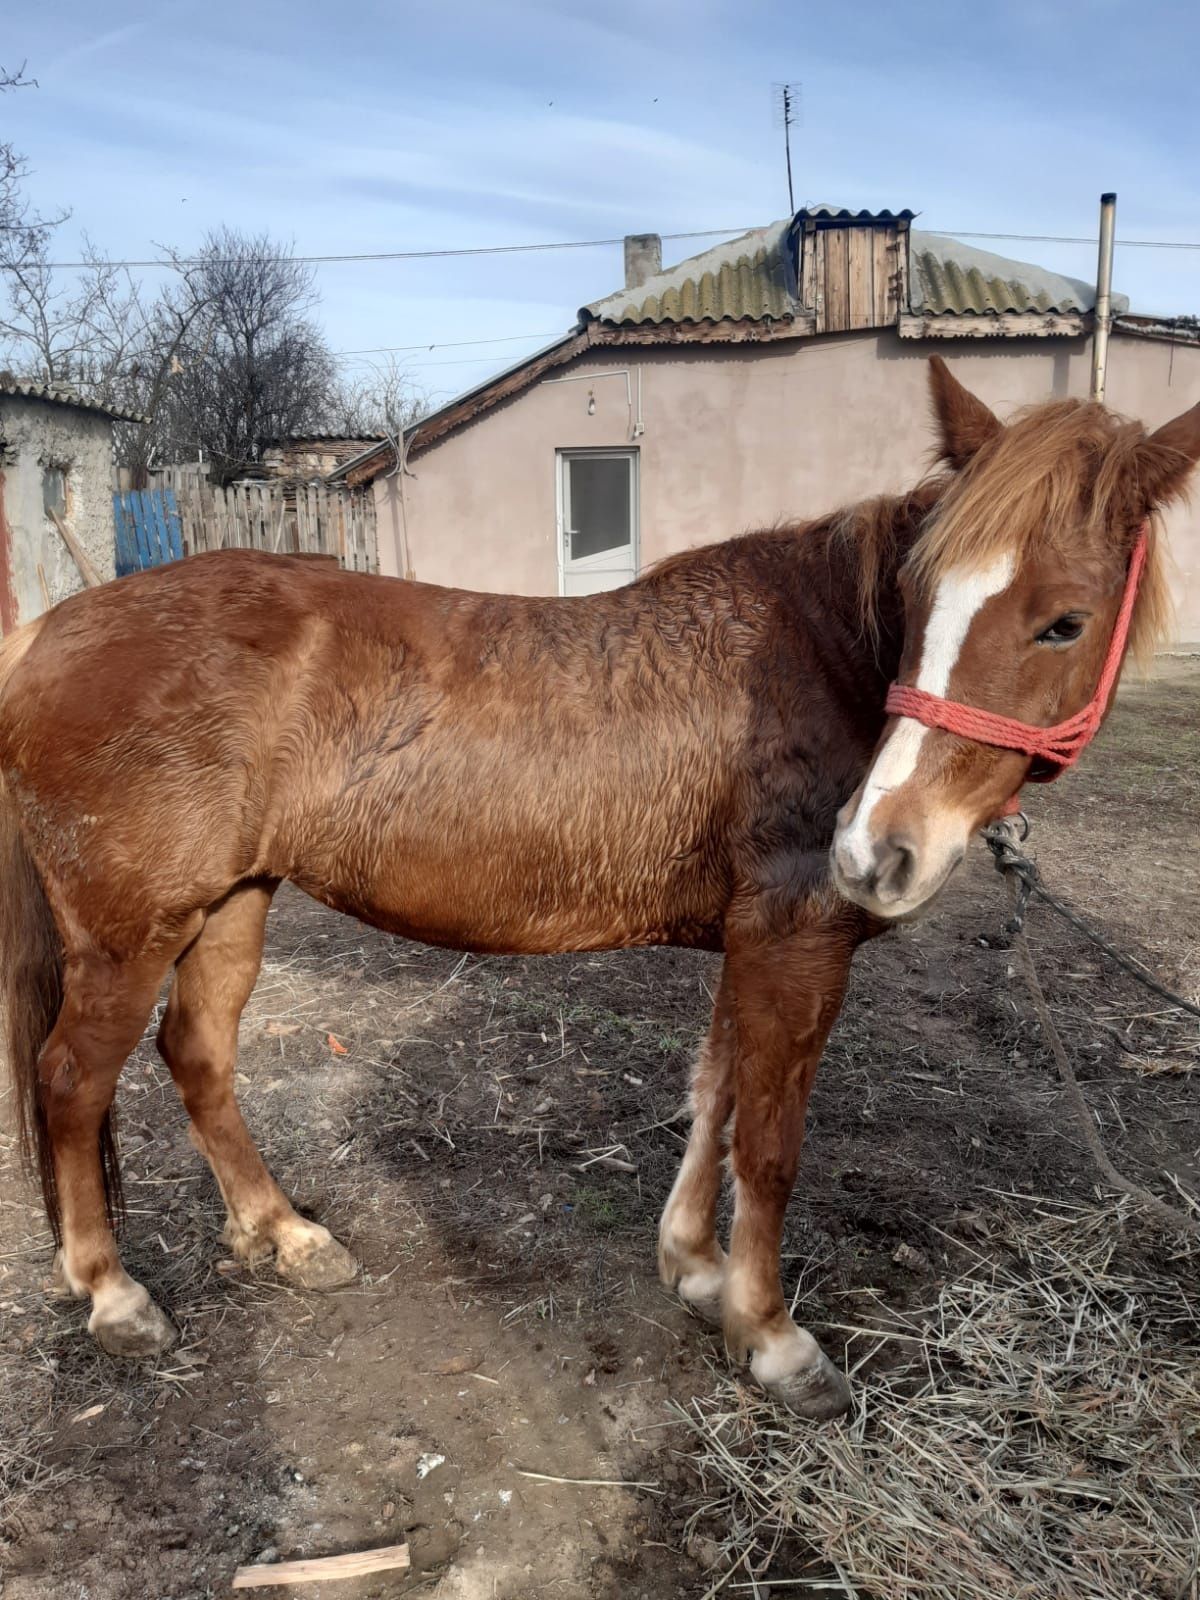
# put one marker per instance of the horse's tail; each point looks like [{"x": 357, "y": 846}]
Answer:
[{"x": 31, "y": 965}]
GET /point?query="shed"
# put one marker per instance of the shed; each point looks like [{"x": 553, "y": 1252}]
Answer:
[
  {"x": 307, "y": 457},
  {"x": 56, "y": 455}
]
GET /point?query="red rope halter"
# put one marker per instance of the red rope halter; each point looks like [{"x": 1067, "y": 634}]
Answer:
[{"x": 1058, "y": 746}]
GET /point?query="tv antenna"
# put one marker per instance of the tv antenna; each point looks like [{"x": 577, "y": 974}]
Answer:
[{"x": 788, "y": 108}]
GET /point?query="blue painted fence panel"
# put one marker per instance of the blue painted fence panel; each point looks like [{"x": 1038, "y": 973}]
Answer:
[{"x": 148, "y": 529}]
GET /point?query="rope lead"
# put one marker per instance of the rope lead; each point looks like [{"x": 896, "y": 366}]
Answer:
[{"x": 1004, "y": 838}]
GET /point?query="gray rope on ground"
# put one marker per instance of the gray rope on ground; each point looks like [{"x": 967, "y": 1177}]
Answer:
[
  {"x": 1170, "y": 1216},
  {"x": 1022, "y": 877}
]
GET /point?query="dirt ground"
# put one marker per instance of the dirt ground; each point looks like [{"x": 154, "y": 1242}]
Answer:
[{"x": 494, "y": 1139}]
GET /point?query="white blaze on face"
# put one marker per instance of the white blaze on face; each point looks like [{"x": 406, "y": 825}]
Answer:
[{"x": 959, "y": 597}]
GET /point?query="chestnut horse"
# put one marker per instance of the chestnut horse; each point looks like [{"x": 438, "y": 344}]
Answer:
[{"x": 669, "y": 763}]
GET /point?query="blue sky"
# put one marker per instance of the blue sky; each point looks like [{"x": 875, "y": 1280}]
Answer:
[{"x": 413, "y": 126}]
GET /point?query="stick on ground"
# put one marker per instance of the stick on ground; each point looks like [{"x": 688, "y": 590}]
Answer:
[{"x": 321, "y": 1569}]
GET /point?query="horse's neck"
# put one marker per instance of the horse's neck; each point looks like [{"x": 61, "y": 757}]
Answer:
[{"x": 852, "y": 562}]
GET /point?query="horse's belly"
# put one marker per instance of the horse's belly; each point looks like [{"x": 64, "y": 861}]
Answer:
[
  {"x": 534, "y": 933},
  {"x": 505, "y": 901},
  {"x": 513, "y": 845}
]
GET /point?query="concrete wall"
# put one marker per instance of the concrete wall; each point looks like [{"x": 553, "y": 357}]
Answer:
[
  {"x": 737, "y": 437},
  {"x": 35, "y": 435}
]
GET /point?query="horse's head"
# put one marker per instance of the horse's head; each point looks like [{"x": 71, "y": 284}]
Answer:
[{"x": 1011, "y": 593}]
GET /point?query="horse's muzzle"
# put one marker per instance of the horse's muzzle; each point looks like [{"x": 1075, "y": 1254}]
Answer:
[
  {"x": 889, "y": 876},
  {"x": 884, "y": 875}
]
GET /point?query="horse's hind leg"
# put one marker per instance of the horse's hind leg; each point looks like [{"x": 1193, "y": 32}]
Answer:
[
  {"x": 690, "y": 1258},
  {"x": 105, "y": 1007},
  {"x": 198, "y": 1041}
]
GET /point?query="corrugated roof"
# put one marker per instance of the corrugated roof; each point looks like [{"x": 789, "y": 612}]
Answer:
[
  {"x": 753, "y": 278},
  {"x": 948, "y": 277},
  {"x": 750, "y": 278},
  {"x": 321, "y": 438},
  {"x": 830, "y": 213},
  {"x": 34, "y": 389}
]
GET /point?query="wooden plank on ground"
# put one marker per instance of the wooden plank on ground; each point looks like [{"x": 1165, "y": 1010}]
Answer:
[{"x": 322, "y": 1569}]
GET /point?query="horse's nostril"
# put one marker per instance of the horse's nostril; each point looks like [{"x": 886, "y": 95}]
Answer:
[{"x": 896, "y": 863}]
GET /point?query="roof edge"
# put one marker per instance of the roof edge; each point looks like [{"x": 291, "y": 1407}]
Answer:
[
  {"x": 53, "y": 394},
  {"x": 1171, "y": 330},
  {"x": 595, "y": 335},
  {"x": 367, "y": 466}
]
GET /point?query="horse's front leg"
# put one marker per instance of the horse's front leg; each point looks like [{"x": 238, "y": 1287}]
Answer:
[{"x": 785, "y": 996}]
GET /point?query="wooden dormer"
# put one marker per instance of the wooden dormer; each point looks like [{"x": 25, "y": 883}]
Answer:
[{"x": 852, "y": 267}]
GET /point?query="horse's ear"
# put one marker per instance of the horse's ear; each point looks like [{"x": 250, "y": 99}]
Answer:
[
  {"x": 1166, "y": 459},
  {"x": 964, "y": 423}
]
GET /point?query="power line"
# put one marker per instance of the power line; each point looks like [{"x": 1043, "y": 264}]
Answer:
[
  {"x": 386, "y": 255},
  {"x": 1067, "y": 238},
  {"x": 578, "y": 244},
  {"x": 444, "y": 344},
  {"x": 459, "y": 361}
]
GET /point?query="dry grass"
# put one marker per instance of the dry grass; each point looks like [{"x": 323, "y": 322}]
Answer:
[{"x": 1034, "y": 1432}]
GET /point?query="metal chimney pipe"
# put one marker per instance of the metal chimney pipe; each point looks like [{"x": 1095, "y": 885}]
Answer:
[{"x": 1102, "y": 316}]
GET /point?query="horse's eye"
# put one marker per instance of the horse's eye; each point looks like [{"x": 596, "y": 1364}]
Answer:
[{"x": 1065, "y": 631}]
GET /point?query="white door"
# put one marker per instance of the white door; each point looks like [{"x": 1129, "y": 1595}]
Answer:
[{"x": 597, "y": 519}]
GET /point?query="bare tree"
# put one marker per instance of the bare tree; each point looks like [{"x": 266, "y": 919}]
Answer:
[
  {"x": 19, "y": 222},
  {"x": 252, "y": 366},
  {"x": 47, "y": 320},
  {"x": 93, "y": 332},
  {"x": 221, "y": 359},
  {"x": 98, "y": 333},
  {"x": 380, "y": 402}
]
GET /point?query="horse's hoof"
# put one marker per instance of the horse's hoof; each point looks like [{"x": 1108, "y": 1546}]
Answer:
[
  {"x": 316, "y": 1261},
  {"x": 140, "y": 1329},
  {"x": 819, "y": 1392}
]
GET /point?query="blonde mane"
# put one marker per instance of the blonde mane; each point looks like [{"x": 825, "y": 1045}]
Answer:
[{"x": 1061, "y": 477}]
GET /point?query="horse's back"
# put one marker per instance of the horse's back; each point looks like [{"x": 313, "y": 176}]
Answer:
[{"x": 486, "y": 770}]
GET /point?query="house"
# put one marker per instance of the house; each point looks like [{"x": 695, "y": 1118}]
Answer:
[
  {"x": 772, "y": 377},
  {"x": 56, "y": 462}
]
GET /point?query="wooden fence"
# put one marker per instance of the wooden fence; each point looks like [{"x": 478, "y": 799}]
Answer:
[
  {"x": 147, "y": 528},
  {"x": 286, "y": 517}
]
